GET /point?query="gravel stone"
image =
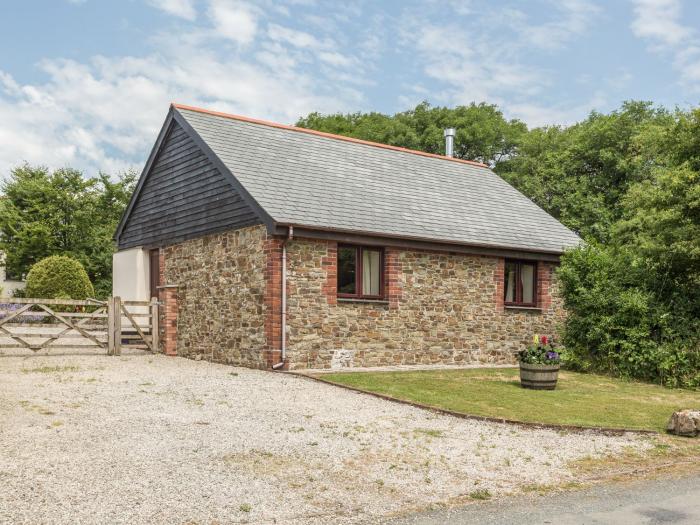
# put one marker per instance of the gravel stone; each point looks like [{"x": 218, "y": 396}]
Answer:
[{"x": 153, "y": 439}]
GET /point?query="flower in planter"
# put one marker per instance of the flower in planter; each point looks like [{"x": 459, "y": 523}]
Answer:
[{"x": 541, "y": 352}]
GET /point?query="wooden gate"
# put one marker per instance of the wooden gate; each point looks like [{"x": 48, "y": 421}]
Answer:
[{"x": 45, "y": 324}]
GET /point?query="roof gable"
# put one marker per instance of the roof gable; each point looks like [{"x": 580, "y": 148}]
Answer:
[
  {"x": 181, "y": 194},
  {"x": 321, "y": 181}
]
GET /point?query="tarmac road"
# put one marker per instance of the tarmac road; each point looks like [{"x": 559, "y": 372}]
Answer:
[{"x": 662, "y": 501}]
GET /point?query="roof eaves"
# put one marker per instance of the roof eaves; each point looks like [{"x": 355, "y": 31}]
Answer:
[{"x": 437, "y": 240}]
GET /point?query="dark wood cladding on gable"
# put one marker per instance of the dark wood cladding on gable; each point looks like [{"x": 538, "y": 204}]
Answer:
[{"x": 183, "y": 196}]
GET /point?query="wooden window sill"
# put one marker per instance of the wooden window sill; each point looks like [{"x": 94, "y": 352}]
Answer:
[
  {"x": 518, "y": 307},
  {"x": 360, "y": 300}
]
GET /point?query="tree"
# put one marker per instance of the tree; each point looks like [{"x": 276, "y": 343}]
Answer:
[
  {"x": 48, "y": 213},
  {"x": 634, "y": 301},
  {"x": 579, "y": 174},
  {"x": 661, "y": 223},
  {"x": 483, "y": 134}
]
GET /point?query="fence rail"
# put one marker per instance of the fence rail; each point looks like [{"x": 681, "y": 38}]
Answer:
[{"x": 43, "y": 324}]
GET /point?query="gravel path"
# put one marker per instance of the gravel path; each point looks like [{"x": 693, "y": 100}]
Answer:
[{"x": 151, "y": 439}]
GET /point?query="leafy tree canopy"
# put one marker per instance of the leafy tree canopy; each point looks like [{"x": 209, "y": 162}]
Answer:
[
  {"x": 483, "y": 133},
  {"x": 579, "y": 174},
  {"x": 634, "y": 298},
  {"x": 62, "y": 212}
]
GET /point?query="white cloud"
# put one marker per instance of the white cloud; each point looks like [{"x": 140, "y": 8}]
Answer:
[
  {"x": 104, "y": 113},
  {"x": 335, "y": 59},
  {"x": 658, "y": 20},
  {"x": 236, "y": 21},
  {"x": 555, "y": 114},
  {"x": 659, "y": 23},
  {"x": 573, "y": 18},
  {"x": 180, "y": 8},
  {"x": 471, "y": 67},
  {"x": 296, "y": 38},
  {"x": 487, "y": 56}
]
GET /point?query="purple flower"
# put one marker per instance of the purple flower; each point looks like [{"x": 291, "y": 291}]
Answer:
[{"x": 552, "y": 355}]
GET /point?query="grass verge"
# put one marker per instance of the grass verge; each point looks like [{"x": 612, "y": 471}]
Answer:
[{"x": 587, "y": 400}]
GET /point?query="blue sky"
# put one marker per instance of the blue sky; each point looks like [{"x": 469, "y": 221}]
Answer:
[{"x": 87, "y": 83}]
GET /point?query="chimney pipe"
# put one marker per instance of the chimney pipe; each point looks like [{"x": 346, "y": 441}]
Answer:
[{"x": 449, "y": 142}]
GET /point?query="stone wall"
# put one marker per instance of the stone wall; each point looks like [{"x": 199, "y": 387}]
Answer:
[
  {"x": 440, "y": 308},
  {"x": 221, "y": 296}
]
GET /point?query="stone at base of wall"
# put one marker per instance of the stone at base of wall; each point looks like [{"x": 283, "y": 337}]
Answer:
[
  {"x": 401, "y": 368},
  {"x": 342, "y": 358}
]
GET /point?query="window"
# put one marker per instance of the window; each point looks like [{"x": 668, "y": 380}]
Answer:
[
  {"x": 520, "y": 283},
  {"x": 360, "y": 272}
]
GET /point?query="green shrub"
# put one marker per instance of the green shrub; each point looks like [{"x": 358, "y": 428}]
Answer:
[
  {"x": 59, "y": 277},
  {"x": 617, "y": 324}
]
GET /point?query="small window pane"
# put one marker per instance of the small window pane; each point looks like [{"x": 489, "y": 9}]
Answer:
[
  {"x": 527, "y": 277},
  {"x": 510, "y": 273},
  {"x": 371, "y": 271},
  {"x": 347, "y": 258}
]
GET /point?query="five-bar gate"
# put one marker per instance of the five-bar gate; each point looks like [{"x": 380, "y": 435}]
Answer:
[{"x": 46, "y": 324}]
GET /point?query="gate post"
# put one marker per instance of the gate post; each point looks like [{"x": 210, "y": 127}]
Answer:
[
  {"x": 117, "y": 320},
  {"x": 114, "y": 326},
  {"x": 110, "y": 326}
]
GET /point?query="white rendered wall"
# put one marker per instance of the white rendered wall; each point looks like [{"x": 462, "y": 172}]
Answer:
[
  {"x": 8, "y": 285},
  {"x": 130, "y": 272}
]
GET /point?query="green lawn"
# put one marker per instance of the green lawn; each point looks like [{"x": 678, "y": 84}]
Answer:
[{"x": 580, "y": 399}]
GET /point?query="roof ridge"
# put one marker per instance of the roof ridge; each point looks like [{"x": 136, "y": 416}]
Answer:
[{"x": 324, "y": 134}]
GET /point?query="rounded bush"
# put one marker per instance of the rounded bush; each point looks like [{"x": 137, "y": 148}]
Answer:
[{"x": 59, "y": 277}]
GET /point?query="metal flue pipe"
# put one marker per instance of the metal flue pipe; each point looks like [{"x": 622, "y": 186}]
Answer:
[{"x": 450, "y": 142}]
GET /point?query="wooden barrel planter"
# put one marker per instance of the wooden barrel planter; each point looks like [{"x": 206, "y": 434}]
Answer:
[{"x": 539, "y": 377}]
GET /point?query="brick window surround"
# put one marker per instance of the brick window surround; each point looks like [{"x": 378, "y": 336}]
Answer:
[
  {"x": 544, "y": 272},
  {"x": 391, "y": 275}
]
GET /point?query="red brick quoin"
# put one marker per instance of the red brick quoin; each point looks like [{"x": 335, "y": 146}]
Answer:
[
  {"x": 168, "y": 316},
  {"x": 273, "y": 301},
  {"x": 392, "y": 278},
  {"x": 544, "y": 283},
  {"x": 330, "y": 264},
  {"x": 167, "y": 312},
  {"x": 499, "y": 281}
]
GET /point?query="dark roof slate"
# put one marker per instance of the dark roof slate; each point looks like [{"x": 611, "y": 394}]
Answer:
[{"x": 309, "y": 179}]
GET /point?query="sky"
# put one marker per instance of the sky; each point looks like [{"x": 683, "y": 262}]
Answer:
[{"x": 87, "y": 83}]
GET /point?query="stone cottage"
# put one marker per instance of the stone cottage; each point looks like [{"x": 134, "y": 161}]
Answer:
[{"x": 276, "y": 246}]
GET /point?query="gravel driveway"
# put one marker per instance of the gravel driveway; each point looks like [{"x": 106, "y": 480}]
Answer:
[{"x": 151, "y": 439}]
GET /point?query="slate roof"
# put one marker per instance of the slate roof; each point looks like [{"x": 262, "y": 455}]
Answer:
[{"x": 328, "y": 182}]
